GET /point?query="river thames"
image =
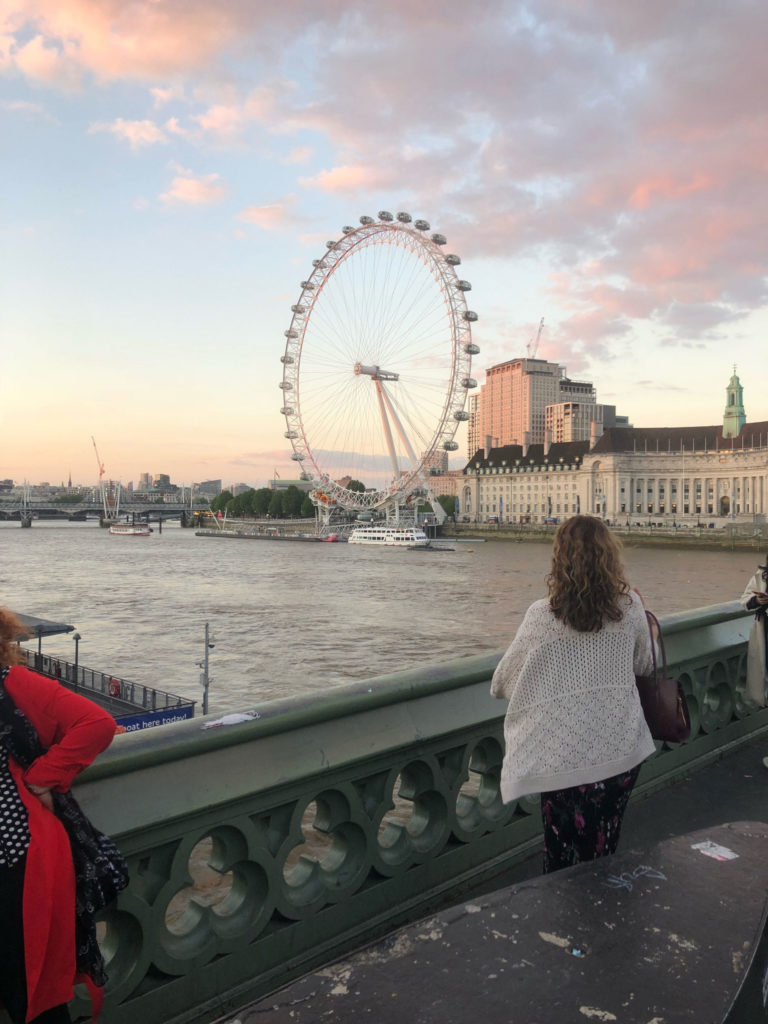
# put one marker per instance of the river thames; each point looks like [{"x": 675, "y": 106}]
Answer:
[{"x": 293, "y": 617}]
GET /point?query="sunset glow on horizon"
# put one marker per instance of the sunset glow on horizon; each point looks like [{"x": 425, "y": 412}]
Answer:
[{"x": 172, "y": 167}]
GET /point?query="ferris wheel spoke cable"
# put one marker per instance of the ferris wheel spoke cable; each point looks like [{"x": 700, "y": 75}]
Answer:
[
  {"x": 413, "y": 418},
  {"x": 415, "y": 311},
  {"x": 335, "y": 432},
  {"x": 421, "y": 335},
  {"x": 334, "y": 338},
  {"x": 402, "y": 330},
  {"x": 378, "y": 311}
]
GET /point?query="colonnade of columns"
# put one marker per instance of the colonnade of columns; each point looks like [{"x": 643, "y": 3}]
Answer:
[{"x": 698, "y": 494}]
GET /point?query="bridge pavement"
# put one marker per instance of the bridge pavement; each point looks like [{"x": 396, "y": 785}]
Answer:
[{"x": 732, "y": 789}]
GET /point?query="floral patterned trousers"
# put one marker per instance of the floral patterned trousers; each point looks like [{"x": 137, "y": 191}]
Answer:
[{"x": 584, "y": 822}]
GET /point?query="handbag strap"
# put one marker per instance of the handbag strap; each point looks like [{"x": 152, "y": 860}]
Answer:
[{"x": 653, "y": 621}]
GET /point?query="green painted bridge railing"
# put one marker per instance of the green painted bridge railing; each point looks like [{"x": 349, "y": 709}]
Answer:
[{"x": 263, "y": 849}]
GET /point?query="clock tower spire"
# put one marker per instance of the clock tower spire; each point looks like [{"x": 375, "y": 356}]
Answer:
[{"x": 734, "y": 417}]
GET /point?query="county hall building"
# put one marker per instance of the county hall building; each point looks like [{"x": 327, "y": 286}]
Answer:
[{"x": 624, "y": 473}]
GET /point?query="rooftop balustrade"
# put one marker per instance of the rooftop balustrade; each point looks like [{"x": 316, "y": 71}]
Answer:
[{"x": 263, "y": 849}]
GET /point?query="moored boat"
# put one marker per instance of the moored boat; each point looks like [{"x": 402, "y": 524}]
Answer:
[{"x": 390, "y": 536}]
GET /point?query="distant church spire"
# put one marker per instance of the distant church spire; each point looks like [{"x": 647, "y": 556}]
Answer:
[{"x": 734, "y": 417}]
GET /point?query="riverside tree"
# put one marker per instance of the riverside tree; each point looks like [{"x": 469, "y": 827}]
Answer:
[
  {"x": 221, "y": 501},
  {"x": 448, "y": 501}
]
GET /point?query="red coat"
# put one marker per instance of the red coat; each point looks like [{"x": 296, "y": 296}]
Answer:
[{"x": 74, "y": 730}]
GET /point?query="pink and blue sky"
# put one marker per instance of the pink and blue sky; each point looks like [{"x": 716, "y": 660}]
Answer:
[{"x": 170, "y": 168}]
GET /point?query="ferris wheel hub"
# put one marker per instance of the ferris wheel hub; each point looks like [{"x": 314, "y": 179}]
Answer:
[{"x": 376, "y": 372}]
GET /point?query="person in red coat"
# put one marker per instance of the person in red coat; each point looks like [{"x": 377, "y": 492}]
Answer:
[{"x": 37, "y": 877}]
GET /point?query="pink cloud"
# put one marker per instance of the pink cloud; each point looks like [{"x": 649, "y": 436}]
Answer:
[
  {"x": 299, "y": 155},
  {"x": 187, "y": 188},
  {"x": 115, "y": 39},
  {"x": 136, "y": 133},
  {"x": 272, "y": 217},
  {"x": 38, "y": 59},
  {"x": 26, "y": 108},
  {"x": 664, "y": 187},
  {"x": 344, "y": 179},
  {"x": 164, "y": 96},
  {"x": 221, "y": 119}
]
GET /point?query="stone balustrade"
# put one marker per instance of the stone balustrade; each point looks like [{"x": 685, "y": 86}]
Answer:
[{"x": 263, "y": 849}]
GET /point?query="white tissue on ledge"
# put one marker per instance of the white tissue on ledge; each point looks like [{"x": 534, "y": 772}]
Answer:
[{"x": 235, "y": 719}]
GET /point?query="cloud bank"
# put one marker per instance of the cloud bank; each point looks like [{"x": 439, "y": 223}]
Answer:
[{"x": 622, "y": 146}]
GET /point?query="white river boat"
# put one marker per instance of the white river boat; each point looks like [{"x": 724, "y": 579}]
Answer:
[
  {"x": 390, "y": 536},
  {"x": 130, "y": 529}
]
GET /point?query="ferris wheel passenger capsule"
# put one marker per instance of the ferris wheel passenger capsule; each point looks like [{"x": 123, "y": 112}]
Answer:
[
  {"x": 297, "y": 456},
  {"x": 366, "y": 220},
  {"x": 421, "y": 225},
  {"x": 404, "y": 218},
  {"x": 308, "y": 286},
  {"x": 470, "y": 315},
  {"x": 461, "y": 415},
  {"x": 468, "y": 382},
  {"x": 291, "y": 333},
  {"x": 287, "y": 410},
  {"x": 285, "y": 385},
  {"x": 386, "y": 216},
  {"x": 318, "y": 263},
  {"x": 298, "y": 309},
  {"x": 471, "y": 348},
  {"x": 450, "y": 446},
  {"x": 464, "y": 286},
  {"x": 331, "y": 244},
  {"x": 290, "y": 434},
  {"x": 347, "y": 229},
  {"x": 453, "y": 259},
  {"x": 287, "y": 360},
  {"x": 439, "y": 239}
]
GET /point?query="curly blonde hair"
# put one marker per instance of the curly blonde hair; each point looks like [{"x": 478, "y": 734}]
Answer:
[
  {"x": 11, "y": 630},
  {"x": 586, "y": 582}
]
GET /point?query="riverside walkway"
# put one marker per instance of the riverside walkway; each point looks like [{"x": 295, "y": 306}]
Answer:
[{"x": 641, "y": 936}]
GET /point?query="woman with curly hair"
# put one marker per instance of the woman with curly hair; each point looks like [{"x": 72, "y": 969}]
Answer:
[
  {"x": 574, "y": 730},
  {"x": 40, "y": 958}
]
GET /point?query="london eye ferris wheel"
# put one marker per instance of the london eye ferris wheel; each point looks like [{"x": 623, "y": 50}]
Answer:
[{"x": 377, "y": 366}]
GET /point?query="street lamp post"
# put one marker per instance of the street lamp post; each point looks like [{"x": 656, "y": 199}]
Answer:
[
  {"x": 77, "y": 638},
  {"x": 205, "y": 678}
]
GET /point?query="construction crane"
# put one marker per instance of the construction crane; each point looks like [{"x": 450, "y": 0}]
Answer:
[
  {"x": 533, "y": 345},
  {"x": 99, "y": 463}
]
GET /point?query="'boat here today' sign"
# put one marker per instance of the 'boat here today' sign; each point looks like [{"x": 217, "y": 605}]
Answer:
[{"x": 148, "y": 720}]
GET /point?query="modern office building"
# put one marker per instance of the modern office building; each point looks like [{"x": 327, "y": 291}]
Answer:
[
  {"x": 207, "y": 489},
  {"x": 511, "y": 407},
  {"x": 580, "y": 421}
]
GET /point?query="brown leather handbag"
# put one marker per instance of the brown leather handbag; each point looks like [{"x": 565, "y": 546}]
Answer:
[{"x": 664, "y": 704}]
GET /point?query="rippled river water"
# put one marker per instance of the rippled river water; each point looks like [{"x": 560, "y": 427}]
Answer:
[{"x": 292, "y": 617}]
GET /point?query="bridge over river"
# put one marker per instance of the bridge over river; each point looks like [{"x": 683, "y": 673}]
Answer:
[
  {"x": 27, "y": 511},
  {"x": 265, "y": 847}
]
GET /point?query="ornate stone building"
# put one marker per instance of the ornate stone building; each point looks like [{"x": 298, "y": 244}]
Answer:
[{"x": 683, "y": 474}]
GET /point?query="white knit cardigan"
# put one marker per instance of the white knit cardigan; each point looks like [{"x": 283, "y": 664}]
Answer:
[{"x": 574, "y": 715}]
